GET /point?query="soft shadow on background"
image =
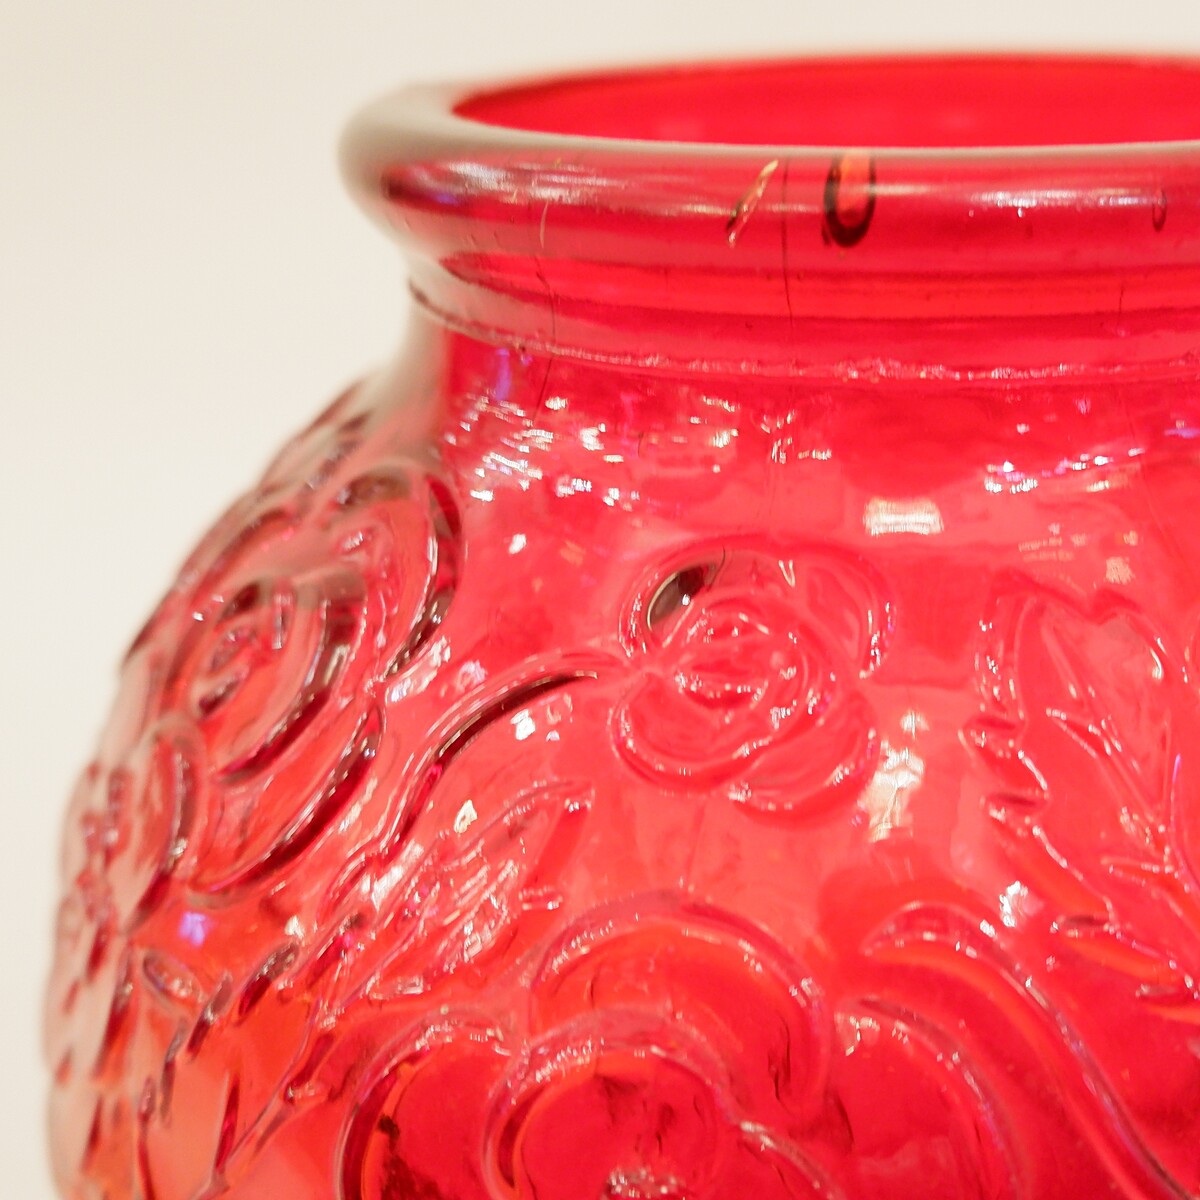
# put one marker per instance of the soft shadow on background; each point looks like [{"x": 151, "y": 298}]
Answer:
[{"x": 183, "y": 281}]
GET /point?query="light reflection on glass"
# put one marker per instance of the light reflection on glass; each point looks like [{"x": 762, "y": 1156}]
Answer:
[
  {"x": 900, "y": 774},
  {"x": 1012, "y": 900},
  {"x": 882, "y": 517},
  {"x": 465, "y": 817},
  {"x": 193, "y": 927}
]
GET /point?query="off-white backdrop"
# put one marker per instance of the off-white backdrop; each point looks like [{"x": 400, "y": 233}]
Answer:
[{"x": 182, "y": 281}]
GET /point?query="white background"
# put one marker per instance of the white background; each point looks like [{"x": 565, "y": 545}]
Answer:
[{"x": 182, "y": 282}]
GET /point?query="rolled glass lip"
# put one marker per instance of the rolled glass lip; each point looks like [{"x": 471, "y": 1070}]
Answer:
[
  {"x": 443, "y": 117},
  {"x": 1115, "y": 223}
]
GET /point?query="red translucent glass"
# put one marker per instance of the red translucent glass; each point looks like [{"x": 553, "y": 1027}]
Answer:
[{"x": 718, "y": 715}]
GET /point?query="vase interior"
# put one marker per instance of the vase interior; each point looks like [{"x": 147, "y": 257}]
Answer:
[{"x": 929, "y": 102}]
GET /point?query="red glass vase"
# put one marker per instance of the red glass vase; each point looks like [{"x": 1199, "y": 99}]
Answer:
[{"x": 718, "y": 716}]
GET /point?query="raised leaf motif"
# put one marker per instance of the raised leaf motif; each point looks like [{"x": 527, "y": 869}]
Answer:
[
  {"x": 1089, "y": 707},
  {"x": 403, "y": 924},
  {"x": 1089, "y": 740}
]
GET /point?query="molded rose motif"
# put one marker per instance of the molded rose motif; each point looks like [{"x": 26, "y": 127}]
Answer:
[
  {"x": 291, "y": 630},
  {"x": 747, "y": 670},
  {"x": 671, "y": 1053},
  {"x": 133, "y": 826},
  {"x": 247, "y": 721}
]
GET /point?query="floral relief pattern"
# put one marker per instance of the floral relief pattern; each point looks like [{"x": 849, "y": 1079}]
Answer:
[
  {"x": 1087, "y": 732},
  {"x": 247, "y": 723},
  {"x": 346, "y": 887},
  {"x": 745, "y": 670},
  {"x": 671, "y": 1052}
]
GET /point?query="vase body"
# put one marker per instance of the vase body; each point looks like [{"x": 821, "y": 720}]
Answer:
[{"x": 575, "y": 772}]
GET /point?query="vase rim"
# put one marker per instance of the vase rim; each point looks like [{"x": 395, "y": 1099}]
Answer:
[
  {"x": 515, "y": 113},
  {"x": 522, "y": 184}
]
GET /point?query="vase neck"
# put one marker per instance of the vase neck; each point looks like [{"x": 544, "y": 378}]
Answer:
[
  {"x": 497, "y": 410},
  {"x": 615, "y": 218},
  {"x": 562, "y": 317}
]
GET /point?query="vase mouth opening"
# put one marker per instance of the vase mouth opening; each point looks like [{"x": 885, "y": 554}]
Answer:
[
  {"x": 964, "y": 103},
  {"x": 890, "y": 189}
]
